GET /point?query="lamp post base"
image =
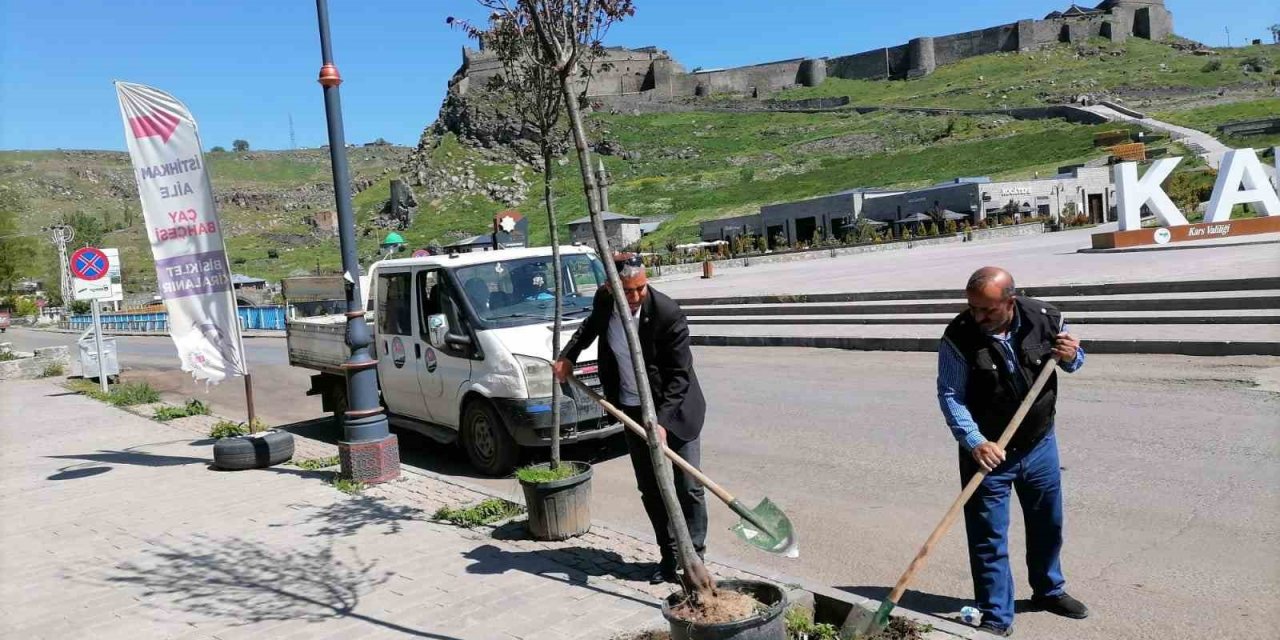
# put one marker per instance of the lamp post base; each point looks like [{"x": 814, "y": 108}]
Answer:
[{"x": 370, "y": 462}]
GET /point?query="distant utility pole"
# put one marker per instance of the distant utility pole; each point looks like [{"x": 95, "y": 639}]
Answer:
[
  {"x": 293, "y": 139},
  {"x": 1228, "y": 30}
]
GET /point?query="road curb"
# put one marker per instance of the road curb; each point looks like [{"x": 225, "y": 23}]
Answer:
[{"x": 156, "y": 334}]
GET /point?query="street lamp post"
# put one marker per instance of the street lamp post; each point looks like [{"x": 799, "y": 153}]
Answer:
[{"x": 368, "y": 451}]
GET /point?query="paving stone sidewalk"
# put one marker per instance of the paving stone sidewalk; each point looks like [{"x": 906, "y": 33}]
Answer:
[{"x": 116, "y": 526}]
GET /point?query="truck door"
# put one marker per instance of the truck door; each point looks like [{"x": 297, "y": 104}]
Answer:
[
  {"x": 395, "y": 341},
  {"x": 446, "y": 367}
]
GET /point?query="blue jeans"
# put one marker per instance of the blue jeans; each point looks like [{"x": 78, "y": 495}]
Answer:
[{"x": 1035, "y": 475}]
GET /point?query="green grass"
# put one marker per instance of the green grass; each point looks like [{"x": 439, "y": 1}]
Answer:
[
  {"x": 537, "y": 474},
  {"x": 193, "y": 407},
  {"x": 120, "y": 395},
  {"x": 1025, "y": 79},
  {"x": 486, "y": 512},
  {"x": 52, "y": 370},
  {"x": 1209, "y": 118},
  {"x": 228, "y": 429},
  {"x": 6, "y": 356},
  {"x": 313, "y": 464}
]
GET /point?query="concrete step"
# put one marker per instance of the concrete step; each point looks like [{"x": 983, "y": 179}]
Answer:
[
  {"x": 1231, "y": 316},
  {"x": 1184, "y": 339},
  {"x": 1051, "y": 291},
  {"x": 1066, "y": 305}
]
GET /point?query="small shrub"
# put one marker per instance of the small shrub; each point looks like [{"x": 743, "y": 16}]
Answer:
[
  {"x": 800, "y": 626},
  {"x": 1211, "y": 66},
  {"x": 6, "y": 356},
  {"x": 348, "y": 486},
  {"x": 313, "y": 464},
  {"x": 228, "y": 429},
  {"x": 746, "y": 174},
  {"x": 52, "y": 370},
  {"x": 487, "y": 512},
  {"x": 193, "y": 407}
]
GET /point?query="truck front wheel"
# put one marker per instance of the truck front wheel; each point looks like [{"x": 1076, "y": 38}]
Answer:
[{"x": 489, "y": 447}]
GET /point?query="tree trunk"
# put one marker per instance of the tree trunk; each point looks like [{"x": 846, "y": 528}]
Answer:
[
  {"x": 559, "y": 303},
  {"x": 696, "y": 575}
]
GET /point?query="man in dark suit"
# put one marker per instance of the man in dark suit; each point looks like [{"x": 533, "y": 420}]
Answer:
[{"x": 677, "y": 398}]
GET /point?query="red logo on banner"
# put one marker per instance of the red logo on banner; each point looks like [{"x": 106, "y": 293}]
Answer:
[{"x": 157, "y": 123}]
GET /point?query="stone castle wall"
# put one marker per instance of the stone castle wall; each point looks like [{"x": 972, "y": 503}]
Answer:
[{"x": 652, "y": 71}]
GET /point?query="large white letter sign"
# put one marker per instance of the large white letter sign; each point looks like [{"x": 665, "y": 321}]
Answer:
[
  {"x": 1132, "y": 193},
  {"x": 1241, "y": 167}
]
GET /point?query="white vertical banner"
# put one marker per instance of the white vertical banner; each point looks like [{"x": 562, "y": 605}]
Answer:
[{"x": 192, "y": 274}]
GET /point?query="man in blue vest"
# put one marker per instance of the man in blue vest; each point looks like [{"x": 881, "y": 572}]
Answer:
[{"x": 989, "y": 357}]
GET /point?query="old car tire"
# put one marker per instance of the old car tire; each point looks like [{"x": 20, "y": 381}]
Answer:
[
  {"x": 489, "y": 447},
  {"x": 253, "y": 451}
]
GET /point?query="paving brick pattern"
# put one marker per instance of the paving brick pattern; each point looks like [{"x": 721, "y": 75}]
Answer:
[{"x": 127, "y": 531}]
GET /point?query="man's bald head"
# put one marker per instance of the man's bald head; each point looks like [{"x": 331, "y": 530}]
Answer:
[
  {"x": 992, "y": 278},
  {"x": 990, "y": 293}
]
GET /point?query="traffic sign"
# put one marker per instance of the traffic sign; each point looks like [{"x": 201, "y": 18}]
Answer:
[
  {"x": 89, "y": 263},
  {"x": 421, "y": 253}
]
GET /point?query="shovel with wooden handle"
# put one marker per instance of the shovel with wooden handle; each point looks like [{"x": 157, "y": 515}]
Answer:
[
  {"x": 764, "y": 527},
  {"x": 863, "y": 622}
]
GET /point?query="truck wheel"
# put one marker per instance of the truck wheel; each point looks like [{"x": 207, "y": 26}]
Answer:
[{"x": 489, "y": 447}]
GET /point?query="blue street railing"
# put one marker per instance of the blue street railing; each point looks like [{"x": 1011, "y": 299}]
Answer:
[{"x": 269, "y": 318}]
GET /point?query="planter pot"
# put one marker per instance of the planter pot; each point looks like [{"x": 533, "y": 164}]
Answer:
[
  {"x": 560, "y": 509},
  {"x": 254, "y": 451},
  {"x": 769, "y": 624}
]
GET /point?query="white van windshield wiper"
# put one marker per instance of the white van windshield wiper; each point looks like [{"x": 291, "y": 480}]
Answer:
[{"x": 507, "y": 316}]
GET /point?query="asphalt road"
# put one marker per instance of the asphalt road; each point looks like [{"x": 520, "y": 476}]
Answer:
[{"x": 1170, "y": 466}]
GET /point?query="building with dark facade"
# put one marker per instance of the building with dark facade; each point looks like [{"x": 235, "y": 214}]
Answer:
[{"x": 1086, "y": 190}]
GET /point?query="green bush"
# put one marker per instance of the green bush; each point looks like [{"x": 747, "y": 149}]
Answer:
[
  {"x": 228, "y": 429},
  {"x": 6, "y": 356},
  {"x": 52, "y": 370},
  {"x": 191, "y": 408},
  {"x": 1211, "y": 66}
]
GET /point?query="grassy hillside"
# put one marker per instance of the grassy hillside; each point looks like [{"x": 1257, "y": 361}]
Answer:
[{"x": 687, "y": 166}]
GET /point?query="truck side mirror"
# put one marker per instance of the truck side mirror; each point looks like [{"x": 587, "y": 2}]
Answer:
[
  {"x": 437, "y": 328},
  {"x": 458, "y": 341}
]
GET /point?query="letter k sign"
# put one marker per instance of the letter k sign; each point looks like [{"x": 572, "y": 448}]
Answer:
[{"x": 1132, "y": 193}]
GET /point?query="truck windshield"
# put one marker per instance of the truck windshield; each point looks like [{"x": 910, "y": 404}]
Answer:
[{"x": 522, "y": 291}]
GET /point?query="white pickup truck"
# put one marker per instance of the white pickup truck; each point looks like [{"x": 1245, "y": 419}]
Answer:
[{"x": 463, "y": 344}]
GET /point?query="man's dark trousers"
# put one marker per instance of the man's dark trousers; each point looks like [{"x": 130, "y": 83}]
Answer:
[
  {"x": 691, "y": 495},
  {"x": 1035, "y": 475}
]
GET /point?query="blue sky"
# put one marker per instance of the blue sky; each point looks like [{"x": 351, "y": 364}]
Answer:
[{"x": 245, "y": 66}]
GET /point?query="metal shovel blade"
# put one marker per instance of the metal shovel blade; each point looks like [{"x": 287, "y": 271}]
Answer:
[{"x": 766, "y": 527}]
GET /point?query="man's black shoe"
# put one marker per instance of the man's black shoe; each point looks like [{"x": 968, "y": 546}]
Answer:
[
  {"x": 664, "y": 574},
  {"x": 1003, "y": 632},
  {"x": 1063, "y": 605}
]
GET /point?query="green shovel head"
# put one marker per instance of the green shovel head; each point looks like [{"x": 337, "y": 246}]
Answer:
[{"x": 776, "y": 534}]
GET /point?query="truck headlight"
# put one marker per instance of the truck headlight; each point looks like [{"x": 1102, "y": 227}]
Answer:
[{"x": 537, "y": 376}]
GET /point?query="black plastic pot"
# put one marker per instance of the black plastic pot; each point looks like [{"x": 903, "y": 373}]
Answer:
[
  {"x": 560, "y": 509},
  {"x": 768, "y": 624}
]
